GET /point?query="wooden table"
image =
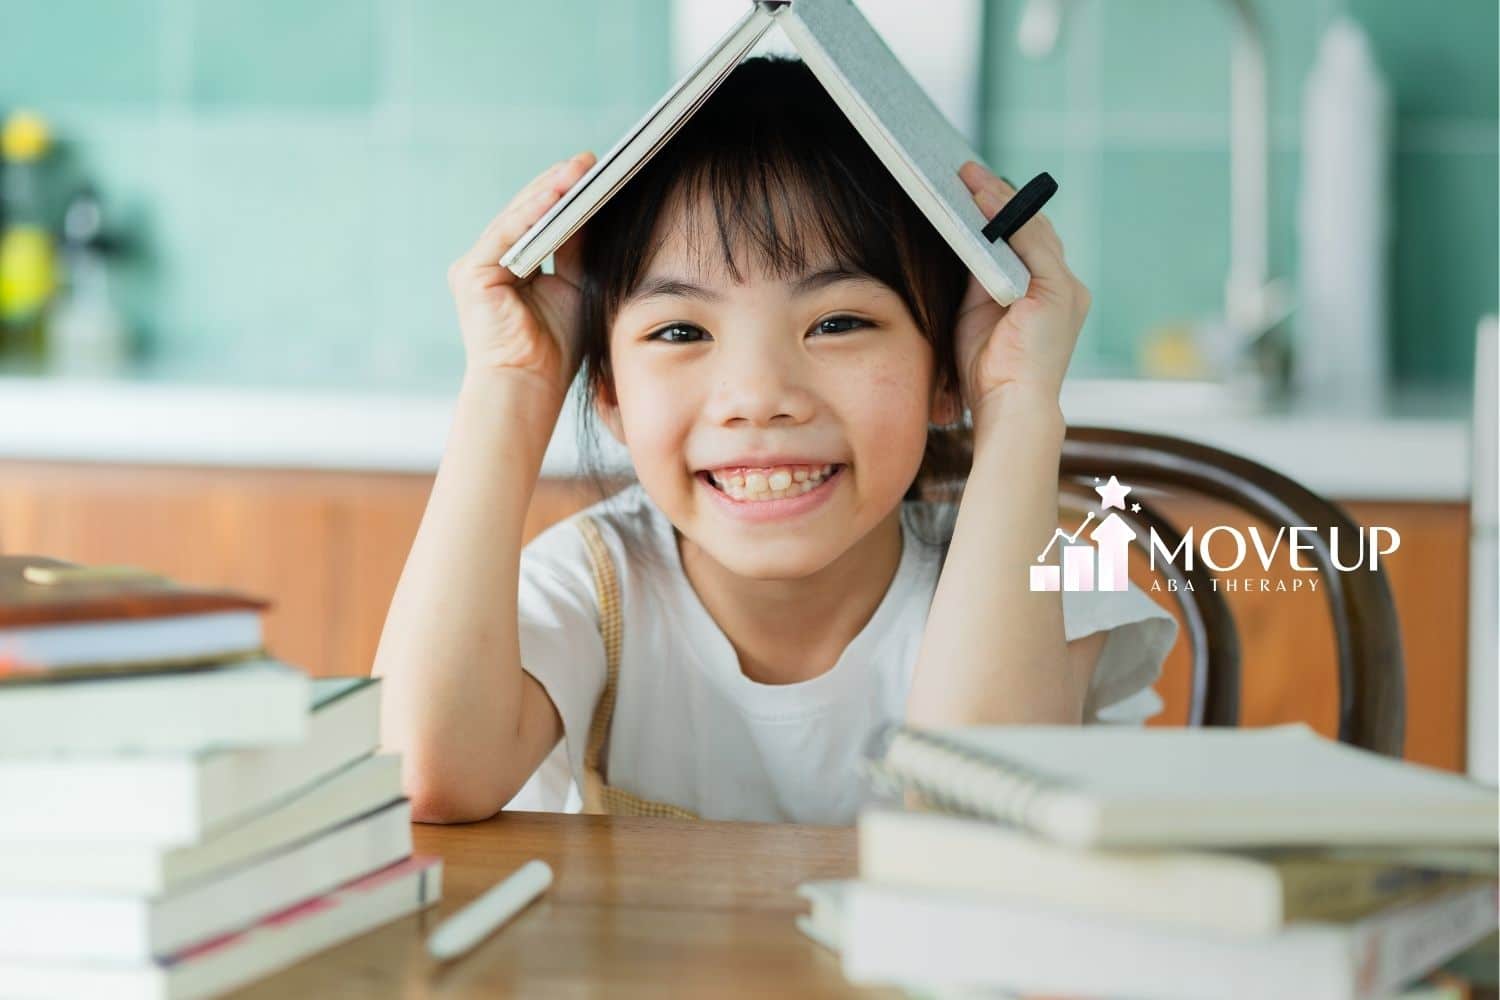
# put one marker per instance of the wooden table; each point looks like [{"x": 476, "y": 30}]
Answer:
[{"x": 638, "y": 907}]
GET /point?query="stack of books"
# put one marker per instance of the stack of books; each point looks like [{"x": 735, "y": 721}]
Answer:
[
  {"x": 180, "y": 813},
  {"x": 1103, "y": 862}
]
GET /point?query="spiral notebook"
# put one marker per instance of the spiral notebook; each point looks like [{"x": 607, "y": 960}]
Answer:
[
  {"x": 1106, "y": 786},
  {"x": 902, "y": 126}
]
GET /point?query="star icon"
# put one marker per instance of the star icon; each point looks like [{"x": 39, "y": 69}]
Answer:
[
  {"x": 1112, "y": 493},
  {"x": 1135, "y": 508}
]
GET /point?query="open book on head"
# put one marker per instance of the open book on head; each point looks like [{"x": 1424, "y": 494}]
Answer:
[{"x": 921, "y": 149}]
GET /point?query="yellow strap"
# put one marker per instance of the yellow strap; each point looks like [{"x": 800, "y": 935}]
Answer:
[{"x": 599, "y": 797}]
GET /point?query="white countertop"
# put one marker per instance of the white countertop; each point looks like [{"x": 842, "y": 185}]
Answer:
[{"x": 1417, "y": 449}]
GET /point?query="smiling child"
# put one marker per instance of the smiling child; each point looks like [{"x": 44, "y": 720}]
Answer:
[{"x": 786, "y": 349}]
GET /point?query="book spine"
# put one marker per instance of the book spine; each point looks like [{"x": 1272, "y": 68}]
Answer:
[
  {"x": 895, "y": 936},
  {"x": 1393, "y": 948},
  {"x": 21, "y": 672},
  {"x": 1318, "y": 889}
]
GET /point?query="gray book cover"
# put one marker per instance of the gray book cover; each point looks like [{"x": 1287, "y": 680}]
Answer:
[{"x": 903, "y": 127}]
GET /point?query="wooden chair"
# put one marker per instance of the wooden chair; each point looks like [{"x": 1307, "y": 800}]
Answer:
[{"x": 1372, "y": 692}]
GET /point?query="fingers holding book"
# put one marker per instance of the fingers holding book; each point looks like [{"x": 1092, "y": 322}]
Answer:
[
  {"x": 531, "y": 203},
  {"x": 1034, "y": 238},
  {"x": 515, "y": 324}
]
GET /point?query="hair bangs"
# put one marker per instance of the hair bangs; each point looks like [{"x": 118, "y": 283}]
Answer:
[{"x": 766, "y": 178}]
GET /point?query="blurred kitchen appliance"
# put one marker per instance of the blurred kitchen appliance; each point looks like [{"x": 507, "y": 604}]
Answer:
[
  {"x": 87, "y": 334},
  {"x": 1253, "y": 303},
  {"x": 1484, "y": 557},
  {"x": 1343, "y": 228}
]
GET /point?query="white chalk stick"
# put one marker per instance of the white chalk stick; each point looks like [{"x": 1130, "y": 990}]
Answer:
[{"x": 489, "y": 912}]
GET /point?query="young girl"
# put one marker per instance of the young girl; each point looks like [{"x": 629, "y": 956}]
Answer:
[{"x": 786, "y": 348}]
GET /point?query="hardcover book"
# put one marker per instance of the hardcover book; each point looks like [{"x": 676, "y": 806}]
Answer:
[
  {"x": 63, "y": 621},
  {"x": 902, "y": 126}
]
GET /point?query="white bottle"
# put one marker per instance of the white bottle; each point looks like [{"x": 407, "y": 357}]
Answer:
[
  {"x": 86, "y": 334},
  {"x": 1340, "y": 355}
]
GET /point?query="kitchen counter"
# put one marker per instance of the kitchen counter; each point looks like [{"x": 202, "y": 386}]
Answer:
[{"x": 1415, "y": 449}]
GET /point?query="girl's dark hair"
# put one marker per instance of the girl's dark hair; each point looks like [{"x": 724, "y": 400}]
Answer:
[{"x": 767, "y": 147}]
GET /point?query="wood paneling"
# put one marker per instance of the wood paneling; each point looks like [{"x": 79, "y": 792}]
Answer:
[{"x": 327, "y": 548}]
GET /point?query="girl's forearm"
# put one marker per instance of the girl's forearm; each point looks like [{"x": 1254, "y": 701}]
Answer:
[
  {"x": 449, "y": 655},
  {"x": 993, "y": 651}
]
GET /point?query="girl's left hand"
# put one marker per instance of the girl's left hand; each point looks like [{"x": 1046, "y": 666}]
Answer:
[{"x": 1021, "y": 350}]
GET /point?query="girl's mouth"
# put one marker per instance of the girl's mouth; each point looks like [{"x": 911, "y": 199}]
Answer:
[
  {"x": 760, "y": 485},
  {"x": 766, "y": 494}
]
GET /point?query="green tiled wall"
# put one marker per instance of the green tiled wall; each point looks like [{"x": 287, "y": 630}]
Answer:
[
  {"x": 104, "y": 53},
  {"x": 283, "y": 54},
  {"x": 1129, "y": 112},
  {"x": 295, "y": 176}
]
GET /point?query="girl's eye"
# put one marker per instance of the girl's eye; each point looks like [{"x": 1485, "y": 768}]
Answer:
[
  {"x": 686, "y": 333},
  {"x": 840, "y": 324},
  {"x": 678, "y": 333}
]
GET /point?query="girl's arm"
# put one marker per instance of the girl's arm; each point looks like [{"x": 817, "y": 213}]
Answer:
[
  {"x": 470, "y": 724},
  {"x": 993, "y": 651}
]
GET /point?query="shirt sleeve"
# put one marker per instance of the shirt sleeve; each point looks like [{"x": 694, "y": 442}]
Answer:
[
  {"x": 1141, "y": 632},
  {"x": 551, "y": 787},
  {"x": 559, "y": 632}
]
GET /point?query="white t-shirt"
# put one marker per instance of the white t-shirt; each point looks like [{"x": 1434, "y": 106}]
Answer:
[{"x": 691, "y": 729}]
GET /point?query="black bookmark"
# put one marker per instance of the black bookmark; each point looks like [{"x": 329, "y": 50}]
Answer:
[{"x": 1027, "y": 202}]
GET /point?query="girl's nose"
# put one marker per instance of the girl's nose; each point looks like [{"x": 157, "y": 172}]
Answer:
[{"x": 758, "y": 391}]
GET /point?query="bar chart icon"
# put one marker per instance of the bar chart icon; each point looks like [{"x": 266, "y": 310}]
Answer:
[
  {"x": 1046, "y": 576},
  {"x": 1100, "y": 565},
  {"x": 1078, "y": 567},
  {"x": 1049, "y": 576}
]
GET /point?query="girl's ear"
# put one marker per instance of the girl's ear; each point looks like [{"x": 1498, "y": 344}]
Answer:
[
  {"x": 607, "y": 409},
  {"x": 947, "y": 409}
]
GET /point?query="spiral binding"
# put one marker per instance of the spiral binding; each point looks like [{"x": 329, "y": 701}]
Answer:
[{"x": 960, "y": 779}]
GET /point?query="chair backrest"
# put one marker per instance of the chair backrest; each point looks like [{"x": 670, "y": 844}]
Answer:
[{"x": 1371, "y": 677}]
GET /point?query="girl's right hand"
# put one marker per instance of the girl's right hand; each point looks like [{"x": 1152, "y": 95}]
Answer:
[{"x": 510, "y": 324}]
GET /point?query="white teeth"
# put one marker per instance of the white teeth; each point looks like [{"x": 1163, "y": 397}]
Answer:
[{"x": 776, "y": 485}]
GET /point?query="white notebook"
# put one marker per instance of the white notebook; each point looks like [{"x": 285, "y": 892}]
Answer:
[
  {"x": 902, "y": 126},
  {"x": 1110, "y": 786},
  {"x": 144, "y": 869},
  {"x": 275, "y": 943},
  {"x": 245, "y": 703},
  {"x": 893, "y": 935},
  {"x": 171, "y": 799},
  {"x": 109, "y": 927}
]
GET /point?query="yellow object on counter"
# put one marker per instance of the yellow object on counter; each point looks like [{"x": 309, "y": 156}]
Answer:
[
  {"x": 28, "y": 258},
  {"x": 25, "y": 137},
  {"x": 1172, "y": 352},
  {"x": 28, "y": 271}
]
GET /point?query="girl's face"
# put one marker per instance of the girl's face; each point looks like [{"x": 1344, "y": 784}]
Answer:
[{"x": 775, "y": 422}]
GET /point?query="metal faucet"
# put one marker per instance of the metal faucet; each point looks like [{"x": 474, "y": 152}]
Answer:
[{"x": 1253, "y": 304}]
